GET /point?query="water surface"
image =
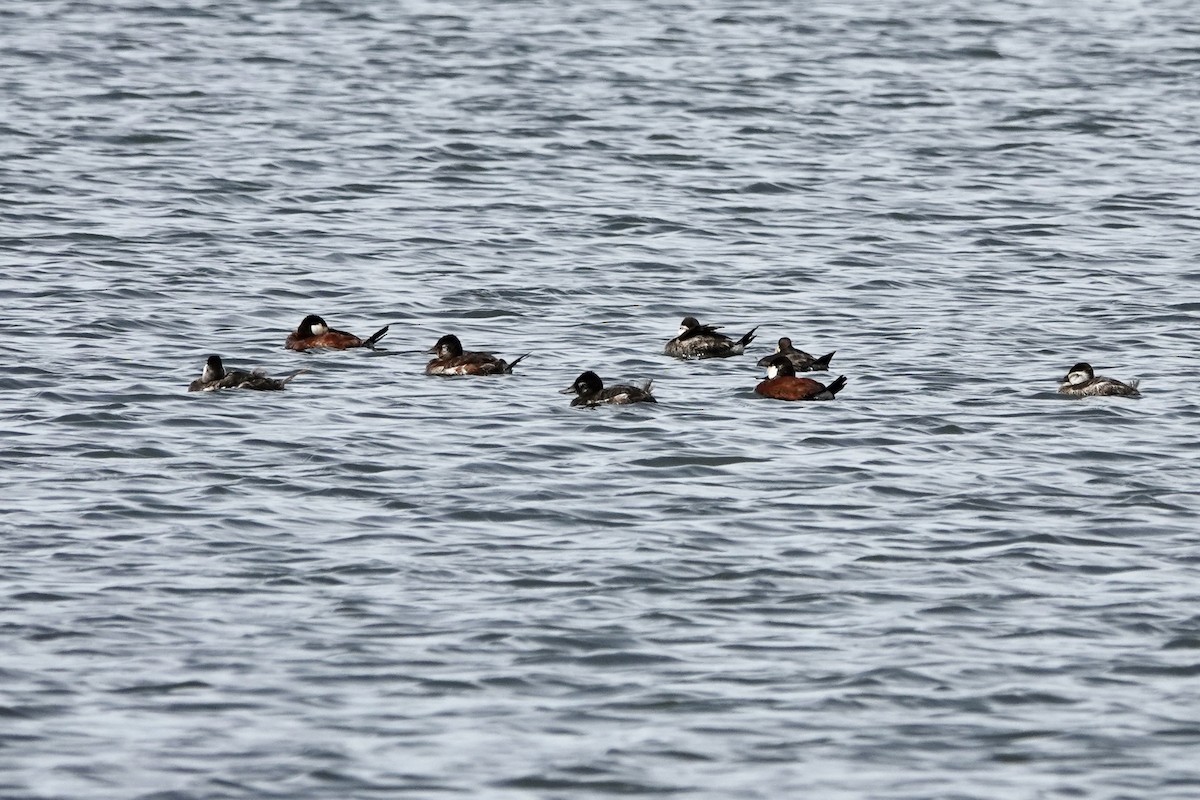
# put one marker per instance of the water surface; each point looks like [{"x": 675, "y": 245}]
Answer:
[{"x": 949, "y": 583}]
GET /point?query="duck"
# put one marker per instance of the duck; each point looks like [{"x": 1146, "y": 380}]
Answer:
[
  {"x": 215, "y": 376},
  {"x": 591, "y": 392},
  {"x": 782, "y": 383},
  {"x": 453, "y": 360},
  {"x": 313, "y": 332},
  {"x": 703, "y": 341},
  {"x": 1081, "y": 381},
  {"x": 802, "y": 361}
]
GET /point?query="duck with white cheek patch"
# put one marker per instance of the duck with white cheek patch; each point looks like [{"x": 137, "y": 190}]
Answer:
[
  {"x": 215, "y": 376},
  {"x": 314, "y": 333},
  {"x": 704, "y": 341},
  {"x": 782, "y": 383},
  {"x": 1082, "y": 381},
  {"x": 591, "y": 391}
]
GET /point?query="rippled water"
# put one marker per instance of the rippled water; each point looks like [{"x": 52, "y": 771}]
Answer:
[{"x": 949, "y": 583}]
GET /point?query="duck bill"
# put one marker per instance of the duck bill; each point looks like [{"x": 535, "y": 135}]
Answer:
[{"x": 569, "y": 390}]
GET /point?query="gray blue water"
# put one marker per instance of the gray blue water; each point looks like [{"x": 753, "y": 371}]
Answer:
[{"x": 949, "y": 583}]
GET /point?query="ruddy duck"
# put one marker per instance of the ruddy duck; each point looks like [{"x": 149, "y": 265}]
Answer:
[
  {"x": 782, "y": 383},
  {"x": 801, "y": 360},
  {"x": 451, "y": 360},
  {"x": 1081, "y": 382},
  {"x": 215, "y": 377},
  {"x": 314, "y": 332},
  {"x": 703, "y": 341},
  {"x": 591, "y": 392}
]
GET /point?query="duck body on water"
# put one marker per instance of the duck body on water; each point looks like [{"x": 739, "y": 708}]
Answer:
[
  {"x": 705, "y": 341},
  {"x": 215, "y": 376},
  {"x": 314, "y": 333},
  {"x": 782, "y": 383},
  {"x": 1081, "y": 381},
  {"x": 451, "y": 359},
  {"x": 592, "y": 392},
  {"x": 802, "y": 361}
]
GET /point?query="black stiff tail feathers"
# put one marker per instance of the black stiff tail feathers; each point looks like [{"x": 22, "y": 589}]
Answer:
[
  {"x": 515, "y": 361},
  {"x": 836, "y": 386},
  {"x": 376, "y": 336},
  {"x": 293, "y": 377},
  {"x": 748, "y": 338},
  {"x": 822, "y": 362}
]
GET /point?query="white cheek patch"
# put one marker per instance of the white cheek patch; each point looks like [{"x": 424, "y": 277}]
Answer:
[
  {"x": 772, "y": 371},
  {"x": 320, "y": 329},
  {"x": 682, "y": 330},
  {"x": 1076, "y": 378}
]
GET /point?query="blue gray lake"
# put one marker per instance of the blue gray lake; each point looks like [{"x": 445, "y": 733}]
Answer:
[{"x": 951, "y": 582}]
